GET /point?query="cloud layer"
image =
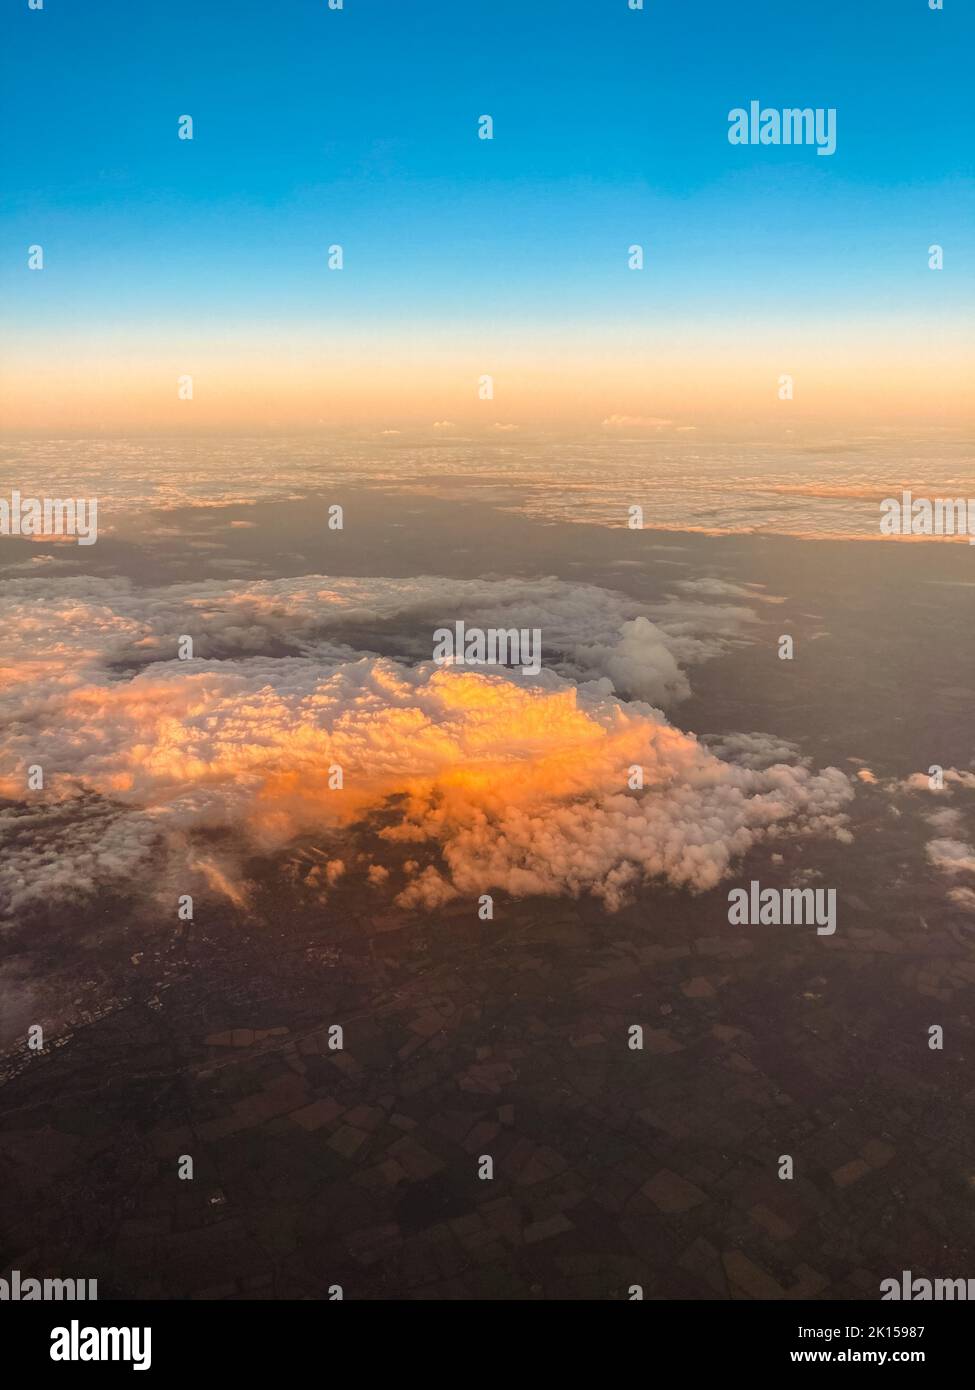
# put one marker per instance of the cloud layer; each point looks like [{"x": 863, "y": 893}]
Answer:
[
  {"x": 495, "y": 781},
  {"x": 90, "y": 623}
]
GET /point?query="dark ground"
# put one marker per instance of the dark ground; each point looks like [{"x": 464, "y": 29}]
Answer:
[{"x": 509, "y": 1038}]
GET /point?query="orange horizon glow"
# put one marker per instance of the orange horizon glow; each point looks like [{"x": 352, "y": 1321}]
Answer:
[{"x": 690, "y": 379}]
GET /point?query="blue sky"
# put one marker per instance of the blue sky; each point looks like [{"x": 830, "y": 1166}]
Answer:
[{"x": 359, "y": 127}]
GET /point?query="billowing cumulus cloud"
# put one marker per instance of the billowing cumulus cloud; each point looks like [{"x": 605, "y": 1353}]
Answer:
[
  {"x": 586, "y": 631},
  {"x": 951, "y": 856},
  {"x": 62, "y": 850},
  {"x": 638, "y": 661},
  {"x": 952, "y": 778},
  {"x": 752, "y": 750},
  {"x": 491, "y": 780},
  {"x": 510, "y": 784}
]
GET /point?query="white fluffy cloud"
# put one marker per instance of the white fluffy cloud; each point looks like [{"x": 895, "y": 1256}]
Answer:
[
  {"x": 495, "y": 781},
  {"x": 81, "y": 624},
  {"x": 518, "y": 785},
  {"x": 951, "y": 856},
  {"x": 952, "y": 778}
]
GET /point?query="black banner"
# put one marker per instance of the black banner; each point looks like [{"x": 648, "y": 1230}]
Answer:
[{"x": 174, "y": 1339}]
